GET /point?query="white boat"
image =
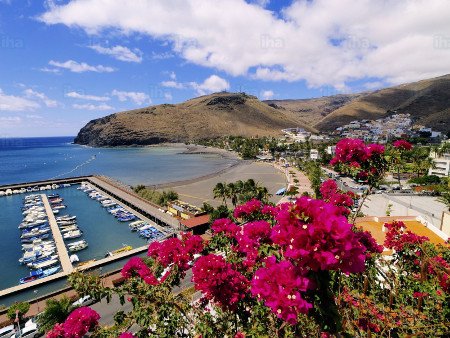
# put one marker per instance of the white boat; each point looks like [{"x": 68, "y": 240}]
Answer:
[
  {"x": 59, "y": 206},
  {"x": 37, "y": 242},
  {"x": 66, "y": 218},
  {"x": 45, "y": 264},
  {"x": 65, "y": 223},
  {"x": 35, "y": 232},
  {"x": 69, "y": 228},
  {"x": 80, "y": 246},
  {"x": 74, "y": 258},
  {"x": 42, "y": 260},
  {"x": 72, "y": 234}
]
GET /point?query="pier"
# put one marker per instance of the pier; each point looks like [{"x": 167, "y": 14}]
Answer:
[{"x": 66, "y": 265}]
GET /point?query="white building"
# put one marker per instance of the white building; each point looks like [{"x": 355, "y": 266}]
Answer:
[
  {"x": 314, "y": 154},
  {"x": 441, "y": 166}
]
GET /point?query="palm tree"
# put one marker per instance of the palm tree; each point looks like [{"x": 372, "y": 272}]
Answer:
[
  {"x": 55, "y": 312},
  {"x": 232, "y": 193},
  {"x": 220, "y": 191}
]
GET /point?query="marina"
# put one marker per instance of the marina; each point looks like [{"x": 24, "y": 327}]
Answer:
[{"x": 82, "y": 223}]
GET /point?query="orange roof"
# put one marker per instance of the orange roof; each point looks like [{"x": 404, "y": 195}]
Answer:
[
  {"x": 195, "y": 221},
  {"x": 376, "y": 228}
]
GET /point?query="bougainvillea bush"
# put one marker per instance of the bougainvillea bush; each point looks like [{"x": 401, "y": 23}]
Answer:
[{"x": 297, "y": 269}]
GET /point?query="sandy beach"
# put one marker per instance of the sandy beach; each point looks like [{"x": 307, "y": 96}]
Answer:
[{"x": 200, "y": 190}]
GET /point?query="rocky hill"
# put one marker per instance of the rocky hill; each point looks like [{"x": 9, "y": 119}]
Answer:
[
  {"x": 209, "y": 116},
  {"x": 427, "y": 101},
  {"x": 239, "y": 114}
]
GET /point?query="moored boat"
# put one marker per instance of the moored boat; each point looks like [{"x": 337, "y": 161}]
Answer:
[{"x": 72, "y": 234}]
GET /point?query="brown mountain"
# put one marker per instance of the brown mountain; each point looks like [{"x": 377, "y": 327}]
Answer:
[
  {"x": 209, "y": 116},
  {"x": 427, "y": 101}
]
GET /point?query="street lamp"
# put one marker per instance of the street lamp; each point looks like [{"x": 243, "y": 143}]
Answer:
[{"x": 37, "y": 303}]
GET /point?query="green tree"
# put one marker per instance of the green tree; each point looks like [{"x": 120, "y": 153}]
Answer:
[
  {"x": 56, "y": 311},
  {"x": 21, "y": 307},
  {"x": 220, "y": 191}
]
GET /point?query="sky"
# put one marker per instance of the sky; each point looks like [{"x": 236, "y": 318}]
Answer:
[{"x": 64, "y": 63}]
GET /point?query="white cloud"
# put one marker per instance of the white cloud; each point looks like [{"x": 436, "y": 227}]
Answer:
[
  {"x": 16, "y": 103},
  {"x": 137, "y": 97},
  {"x": 50, "y": 70},
  {"x": 267, "y": 94},
  {"x": 90, "y": 106},
  {"x": 30, "y": 93},
  {"x": 212, "y": 84},
  {"x": 325, "y": 42},
  {"x": 172, "y": 84},
  {"x": 80, "y": 67},
  {"x": 75, "y": 95},
  {"x": 120, "y": 53},
  {"x": 173, "y": 76}
]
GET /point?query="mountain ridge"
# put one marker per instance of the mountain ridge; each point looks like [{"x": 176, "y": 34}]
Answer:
[{"x": 239, "y": 114}]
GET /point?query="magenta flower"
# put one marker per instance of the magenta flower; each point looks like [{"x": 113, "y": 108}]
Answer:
[
  {"x": 225, "y": 226},
  {"x": 402, "y": 145},
  {"x": 248, "y": 208},
  {"x": 219, "y": 281},
  {"x": 80, "y": 322},
  {"x": 126, "y": 335},
  {"x": 279, "y": 286}
]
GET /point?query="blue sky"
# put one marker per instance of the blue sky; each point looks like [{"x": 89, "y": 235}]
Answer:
[{"x": 64, "y": 63}]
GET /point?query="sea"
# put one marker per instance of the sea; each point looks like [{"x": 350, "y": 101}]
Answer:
[{"x": 33, "y": 159}]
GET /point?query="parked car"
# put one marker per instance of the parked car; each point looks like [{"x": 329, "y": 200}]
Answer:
[
  {"x": 8, "y": 331},
  {"x": 84, "y": 301},
  {"x": 30, "y": 330}
]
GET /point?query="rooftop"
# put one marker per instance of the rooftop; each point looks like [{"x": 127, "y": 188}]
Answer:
[{"x": 195, "y": 221}]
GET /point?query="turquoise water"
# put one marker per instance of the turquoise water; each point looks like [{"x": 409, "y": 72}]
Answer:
[{"x": 33, "y": 159}]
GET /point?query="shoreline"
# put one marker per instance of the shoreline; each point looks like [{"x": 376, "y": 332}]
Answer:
[{"x": 173, "y": 184}]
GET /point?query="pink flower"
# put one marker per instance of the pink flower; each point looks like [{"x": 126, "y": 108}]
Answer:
[
  {"x": 402, "y": 145},
  {"x": 137, "y": 267},
  {"x": 397, "y": 237},
  {"x": 316, "y": 236},
  {"x": 225, "y": 226},
  {"x": 79, "y": 322},
  {"x": 219, "y": 281},
  {"x": 56, "y": 332},
  {"x": 251, "y": 236},
  {"x": 126, "y": 335},
  {"x": 239, "y": 334},
  {"x": 280, "y": 286},
  {"x": 176, "y": 251},
  {"x": 247, "y": 209},
  {"x": 420, "y": 294}
]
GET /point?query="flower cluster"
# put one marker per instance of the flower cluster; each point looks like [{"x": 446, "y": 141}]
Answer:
[
  {"x": 397, "y": 237},
  {"x": 219, "y": 281},
  {"x": 251, "y": 236},
  {"x": 402, "y": 145},
  {"x": 343, "y": 200},
  {"x": 316, "y": 235},
  {"x": 137, "y": 267},
  {"x": 225, "y": 226},
  {"x": 176, "y": 251},
  {"x": 279, "y": 284},
  {"x": 79, "y": 322},
  {"x": 365, "y": 162},
  {"x": 248, "y": 208},
  {"x": 441, "y": 268},
  {"x": 366, "y": 239},
  {"x": 127, "y": 335}
]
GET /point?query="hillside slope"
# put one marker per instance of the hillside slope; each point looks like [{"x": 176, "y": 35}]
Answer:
[
  {"x": 427, "y": 101},
  {"x": 215, "y": 115}
]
